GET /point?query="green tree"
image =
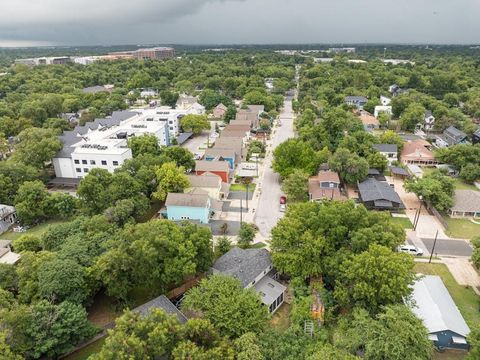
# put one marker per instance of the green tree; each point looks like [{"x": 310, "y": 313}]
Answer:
[
  {"x": 32, "y": 201},
  {"x": 391, "y": 137},
  {"x": 62, "y": 280},
  {"x": 351, "y": 167},
  {"x": 476, "y": 251},
  {"x": 12, "y": 175},
  {"x": 170, "y": 178},
  {"x": 223, "y": 245},
  {"x": 168, "y": 98},
  {"x": 8, "y": 277},
  {"x": 374, "y": 278},
  {"x": 246, "y": 234},
  {"x": 329, "y": 352},
  {"x": 413, "y": 115},
  {"x": 296, "y": 186},
  {"x": 222, "y": 300},
  {"x": 474, "y": 341},
  {"x": 377, "y": 161},
  {"x": 195, "y": 123},
  {"x": 436, "y": 188},
  {"x": 92, "y": 191},
  {"x": 36, "y": 146},
  {"x": 27, "y": 243},
  {"x": 470, "y": 172},
  {"x": 294, "y": 154},
  {"x": 145, "y": 144},
  {"x": 247, "y": 348},
  {"x": 181, "y": 156}
]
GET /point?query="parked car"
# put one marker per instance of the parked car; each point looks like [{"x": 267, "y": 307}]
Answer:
[
  {"x": 283, "y": 199},
  {"x": 410, "y": 249},
  {"x": 283, "y": 207}
]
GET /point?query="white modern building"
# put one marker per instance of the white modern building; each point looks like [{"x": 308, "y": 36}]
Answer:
[
  {"x": 103, "y": 143},
  {"x": 173, "y": 116},
  {"x": 385, "y": 100}
]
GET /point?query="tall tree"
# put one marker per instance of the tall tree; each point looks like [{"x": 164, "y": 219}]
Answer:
[
  {"x": 170, "y": 178},
  {"x": 36, "y": 146},
  {"x": 195, "y": 123},
  {"x": 146, "y": 144},
  {"x": 230, "y": 308},
  {"x": 296, "y": 186}
]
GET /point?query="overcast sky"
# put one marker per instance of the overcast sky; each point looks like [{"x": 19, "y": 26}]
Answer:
[{"x": 97, "y": 22}]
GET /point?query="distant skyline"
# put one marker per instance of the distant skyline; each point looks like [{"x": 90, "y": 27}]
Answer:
[{"x": 190, "y": 22}]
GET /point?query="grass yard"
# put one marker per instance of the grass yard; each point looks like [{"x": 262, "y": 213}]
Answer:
[
  {"x": 462, "y": 228},
  {"x": 35, "y": 230},
  {"x": 403, "y": 221},
  {"x": 468, "y": 302},
  {"x": 242, "y": 187},
  {"x": 85, "y": 353},
  {"x": 281, "y": 319},
  {"x": 459, "y": 183},
  {"x": 259, "y": 245}
]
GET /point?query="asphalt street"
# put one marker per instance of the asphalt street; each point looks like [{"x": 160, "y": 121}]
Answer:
[{"x": 268, "y": 211}]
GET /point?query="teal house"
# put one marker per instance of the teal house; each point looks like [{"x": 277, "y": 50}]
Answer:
[
  {"x": 196, "y": 207},
  {"x": 221, "y": 154}
]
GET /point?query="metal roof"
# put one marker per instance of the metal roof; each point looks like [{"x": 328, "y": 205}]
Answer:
[
  {"x": 243, "y": 264},
  {"x": 436, "y": 308}
]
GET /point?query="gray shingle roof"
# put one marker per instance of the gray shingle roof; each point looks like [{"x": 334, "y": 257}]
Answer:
[
  {"x": 399, "y": 171},
  {"x": 206, "y": 180},
  {"x": 455, "y": 134},
  {"x": 204, "y": 165},
  {"x": 434, "y": 305},
  {"x": 161, "y": 302},
  {"x": 189, "y": 200},
  {"x": 243, "y": 264},
  {"x": 466, "y": 201},
  {"x": 371, "y": 190},
  {"x": 384, "y": 148},
  {"x": 356, "y": 98}
]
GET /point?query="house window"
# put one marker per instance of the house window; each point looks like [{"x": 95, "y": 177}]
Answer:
[
  {"x": 85, "y": 170},
  {"x": 78, "y": 170},
  {"x": 171, "y": 127},
  {"x": 92, "y": 162},
  {"x": 104, "y": 162},
  {"x": 115, "y": 163},
  {"x": 77, "y": 161},
  {"x": 84, "y": 162}
]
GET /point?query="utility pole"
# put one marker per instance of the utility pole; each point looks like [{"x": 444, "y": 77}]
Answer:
[
  {"x": 433, "y": 248},
  {"x": 241, "y": 215},
  {"x": 419, "y": 213}
]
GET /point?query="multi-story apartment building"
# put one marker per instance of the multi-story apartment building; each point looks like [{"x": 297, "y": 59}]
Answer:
[{"x": 103, "y": 143}]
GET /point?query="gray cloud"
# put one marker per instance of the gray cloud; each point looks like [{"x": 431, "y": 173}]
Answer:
[{"x": 239, "y": 21}]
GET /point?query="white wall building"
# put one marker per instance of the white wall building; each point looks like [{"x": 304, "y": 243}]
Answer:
[
  {"x": 382, "y": 109},
  {"x": 103, "y": 143},
  {"x": 385, "y": 101}
]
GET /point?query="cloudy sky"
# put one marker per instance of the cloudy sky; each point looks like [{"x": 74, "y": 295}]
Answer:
[{"x": 95, "y": 22}]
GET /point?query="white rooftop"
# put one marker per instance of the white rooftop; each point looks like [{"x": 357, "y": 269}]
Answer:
[{"x": 436, "y": 308}]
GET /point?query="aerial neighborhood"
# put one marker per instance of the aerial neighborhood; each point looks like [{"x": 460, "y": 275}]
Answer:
[{"x": 240, "y": 203}]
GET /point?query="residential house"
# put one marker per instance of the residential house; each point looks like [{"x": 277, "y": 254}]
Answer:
[
  {"x": 451, "y": 136},
  {"x": 390, "y": 151},
  {"x": 385, "y": 101},
  {"x": 357, "y": 101},
  {"x": 210, "y": 183},
  {"x": 220, "y": 168},
  {"x": 396, "y": 90},
  {"x": 221, "y": 154},
  {"x": 325, "y": 186},
  {"x": 476, "y": 137},
  {"x": 7, "y": 256},
  {"x": 254, "y": 269},
  {"x": 379, "y": 109},
  {"x": 219, "y": 111},
  {"x": 98, "y": 89},
  {"x": 399, "y": 172},
  {"x": 185, "y": 101},
  {"x": 235, "y": 133},
  {"x": 378, "y": 195},
  {"x": 148, "y": 93},
  {"x": 251, "y": 113},
  {"x": 231, "y": 143},
  {"x": 193, "y": 206},
  {"x": 428, "y": 121},
  {"x": 466, "y": 204},
  {"x": 8, "y": 217},
  {"x": 161, "y": 302},
  {"x": 417, "y": 152},
  {"x": 432, "y": 304},
  {"x": 369, "y": 121}
]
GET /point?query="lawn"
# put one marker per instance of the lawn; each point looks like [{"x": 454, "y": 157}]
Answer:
[
  {"x": 462, "y": 228},
  {"x": 467, "y": 301},
  {"x": 84, "y": 354},
  {"x": 281, "y": 319},
  {"x": 403, "y": 221},
  {"x": 459, "y": 183},
  {"x": 35, "y": 230},
  {"x": 449, "y": 355},
  {"x": 242, "y": 187}
]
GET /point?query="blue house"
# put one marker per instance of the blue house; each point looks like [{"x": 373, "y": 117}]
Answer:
[
  {"x": 435, "y": 307},
  {"x": 221, "y": 154},
  {"x": 189, "y": 207}
]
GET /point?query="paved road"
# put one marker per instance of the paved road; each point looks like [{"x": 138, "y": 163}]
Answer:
[
  {"x": 448, "y": 247},
  {"x": 268, "y": 209}
]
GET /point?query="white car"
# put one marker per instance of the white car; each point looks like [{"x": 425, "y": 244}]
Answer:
[
  {"x": 410, "y": 249},
  {"x": 283, "y": 207}
]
